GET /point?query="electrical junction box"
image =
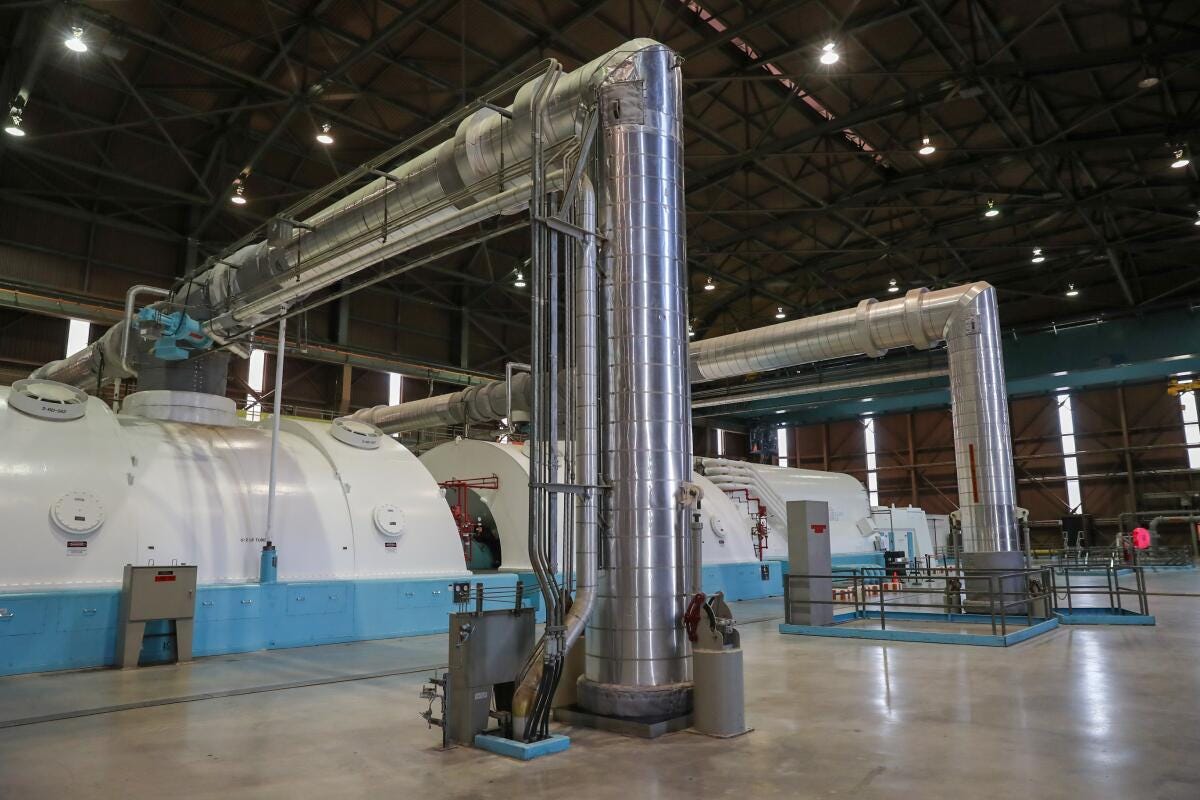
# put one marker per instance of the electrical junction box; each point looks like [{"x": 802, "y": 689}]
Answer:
[
  {"x": 152, "y": 593},
  {"x": 808, "y": 555}
]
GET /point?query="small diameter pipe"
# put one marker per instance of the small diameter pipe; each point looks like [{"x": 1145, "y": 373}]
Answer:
[{"x": 275, "y": 426}]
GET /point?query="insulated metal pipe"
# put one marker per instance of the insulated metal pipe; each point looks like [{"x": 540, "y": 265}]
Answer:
[
  {"x": 966, "y": 318},
  {"x": 637, "y": 652}
]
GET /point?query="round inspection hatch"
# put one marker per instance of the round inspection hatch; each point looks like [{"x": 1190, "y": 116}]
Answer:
[
  {"x": 77, "y": 513},
  {"x": 48, "y": 399},
  {"x": 356, "y": 433},
  {"x": 718, "y": 527},
  {"x": 389, "y": 519}
]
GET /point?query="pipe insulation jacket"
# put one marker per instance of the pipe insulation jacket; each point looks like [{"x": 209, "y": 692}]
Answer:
[{"x": 481, "y": 171}]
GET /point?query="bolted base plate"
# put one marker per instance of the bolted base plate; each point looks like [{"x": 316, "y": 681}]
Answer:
[{"x": 642, "y": 727}]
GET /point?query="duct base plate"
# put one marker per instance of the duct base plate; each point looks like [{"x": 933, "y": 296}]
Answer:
[{"x": 641, "y": 727}]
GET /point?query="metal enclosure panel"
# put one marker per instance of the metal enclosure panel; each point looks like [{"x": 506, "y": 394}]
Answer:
[
  {"x": 159, "y": 593},
  {"x": 808, "y": 548}
]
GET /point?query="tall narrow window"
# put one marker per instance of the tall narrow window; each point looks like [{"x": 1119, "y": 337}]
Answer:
[
  {"x": 395, "y": 393},
  {"x": 1066, "y": 430},
  {"x": 1191, "y": 427},
  {"x": 255, "y": 381},
  {"x": 720, "y": 443},
  {"x": 869, "y": 447},
  {"x": 782, "y": 448},
  {"x": 77, "y": 336}
]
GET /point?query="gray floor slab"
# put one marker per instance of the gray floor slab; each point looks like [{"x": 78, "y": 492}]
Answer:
[{"x": 1079, "y": 712}]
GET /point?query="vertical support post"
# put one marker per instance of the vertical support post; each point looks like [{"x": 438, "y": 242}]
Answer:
[
  {"x": 1130, "y": 481},
  {"x": 344, "y": 389},
  {"x": 278, "y": 389},
  {"x": 912, "y": 462}
]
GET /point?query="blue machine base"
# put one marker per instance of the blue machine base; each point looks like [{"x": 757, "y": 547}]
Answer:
[
  {"x": 932, "y": 637},
  {"x": 745, "y": 581},
  {"x": 522, "y": 751},
  {"x": 1102, "y": 616},
  {"x": 72, "y": 629}
]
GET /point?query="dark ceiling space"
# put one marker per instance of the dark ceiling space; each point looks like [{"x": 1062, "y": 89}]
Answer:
[{"x": 806, "y": 192}]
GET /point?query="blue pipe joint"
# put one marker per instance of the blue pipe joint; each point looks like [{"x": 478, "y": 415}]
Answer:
[
  {"x": 175, "y": 334},
  {"x": 268, "y": 564}
]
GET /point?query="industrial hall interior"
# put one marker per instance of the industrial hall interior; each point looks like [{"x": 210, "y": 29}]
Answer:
[{"x": 619, "y": 399}]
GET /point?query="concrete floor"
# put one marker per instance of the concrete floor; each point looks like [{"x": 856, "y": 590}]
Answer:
[{"x": 1077, "y": 713}]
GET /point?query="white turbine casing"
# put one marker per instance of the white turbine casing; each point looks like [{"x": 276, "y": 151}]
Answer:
[
  {"x": 850, "y": 530},
  {"x": 509, "y": 505},
  {"x": 901, "y": 521},
  {"x": 177, "y": 492}
]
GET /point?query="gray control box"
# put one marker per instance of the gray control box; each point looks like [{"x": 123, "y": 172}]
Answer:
[
  {"x": 150, "y": 593},
  {"x": 487, "y": 651},
  {"x": 808, "y": 554}
]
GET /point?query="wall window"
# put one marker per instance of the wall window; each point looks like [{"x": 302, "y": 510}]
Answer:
[
  {"x": 395, "y": 392},
  {"x": 869, "y": 447},
  {"x": 782, "y": 445},
  {"x": 255, "y": 381},
  {"x": 720, "y": 443},
  {"x": 1191, "y": 427},
  {"x": 77, "y": 336},
  {"x": 1066, "y": 431}
]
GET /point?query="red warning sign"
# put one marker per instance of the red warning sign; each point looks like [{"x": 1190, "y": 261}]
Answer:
[{"x": 817, "y": 528}]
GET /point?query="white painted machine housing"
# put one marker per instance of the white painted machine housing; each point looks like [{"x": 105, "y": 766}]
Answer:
[
  {"x": 853, "y": 524},
  {"x": 723, "y": 539},
  {"x": 178, "y": 492}
]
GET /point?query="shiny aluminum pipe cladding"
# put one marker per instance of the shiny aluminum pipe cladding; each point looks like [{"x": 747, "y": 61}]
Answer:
[
  {"x": 965, "y": 317},
  {"x": 637, "y": 652}
]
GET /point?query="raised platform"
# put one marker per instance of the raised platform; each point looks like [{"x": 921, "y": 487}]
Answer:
[
  {"x": 522, "y": 751},
  {"x": 1102, "y": 616},
  {"x": 644, "y": 728},
  {"x": 71, "y": 629},
  {"x": 839, "y": 630}
]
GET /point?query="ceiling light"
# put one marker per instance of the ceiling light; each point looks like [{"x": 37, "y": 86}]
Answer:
[
  {"x": 1148, "y": 82},
  {"x": 324, "y": 137},
  {"x": 709, "y": 285},
  {"x": 75, "y": 41},
  {"x": 238, "y": 198},
  {"x": 1197, "y": 222},
  {"x": 828, "y": 54},
  {"x": 1181, "y": 160},
  {"x": 1037, "y": 256},
  {"x": 892, "y": 287},
  {"x": 927, "y": 148},
  {"x": 779, "y": 313},
  {"x": 1072, "y": 291},
  {"x": 992, "y": 211},
  {"x": 519, "y": 282},
  {"x": 13, "y": 126},
  {"x": 781, "y": 411}
]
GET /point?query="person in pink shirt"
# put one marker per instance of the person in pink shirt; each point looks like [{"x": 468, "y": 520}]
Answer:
[{"x": 1141, "y": 538}]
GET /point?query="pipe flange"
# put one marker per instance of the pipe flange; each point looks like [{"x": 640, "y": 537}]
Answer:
[
  {"x": 862, "y": 329},
  {"x": 618, "y": 700},
  {"x": 912, "y": 319}
]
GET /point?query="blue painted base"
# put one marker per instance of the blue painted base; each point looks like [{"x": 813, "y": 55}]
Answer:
[
  {"x": 1102, "y": 616},
  {"x": 67, "y": 629},
  {"x": 746, "y": 581},
  {"x": 932, "y": 637},
  {"x": 523, "y": 751}
]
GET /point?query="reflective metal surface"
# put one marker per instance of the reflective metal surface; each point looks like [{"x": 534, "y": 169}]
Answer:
[
  {"x": 965, "y": 318},
  {"x": 635, "y": 637}
]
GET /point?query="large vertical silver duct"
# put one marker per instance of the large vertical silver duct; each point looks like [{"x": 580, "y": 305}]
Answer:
[
  {"x": 637, "y": 654},
  {"x": 965, "y": 317}
]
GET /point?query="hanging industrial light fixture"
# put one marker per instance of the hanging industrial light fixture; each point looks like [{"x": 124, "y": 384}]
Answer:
[
  {"x": 12, "y": 125},
  {"x": 1181, "y": 159},
  {"x": 927, "y": 148},
  {"x": 519, "y": 281},
  {"x": 238, "y": 198},
  {"x": 892, "y": 286},
  {"x": 75, "y": 41},
  {"x": 708, "y": 284},
  {"x": 1072, "y": 291},
  {"x": 992, "y": 211},
  {"x": 1197, "y": 222},
  {"x": 691, "y": 330},
  {"x": 829, "y": 53},
  {"x": 325, "y": 137},
  {"x": 1037, "y": 256},
  {"x": 780, "y": 313}
]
